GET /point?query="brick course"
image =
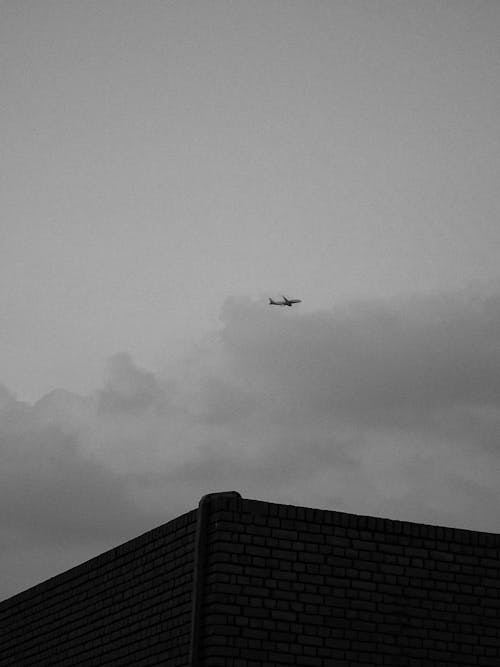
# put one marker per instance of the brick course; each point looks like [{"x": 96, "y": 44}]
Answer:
[{"x": 275, "y": 585}]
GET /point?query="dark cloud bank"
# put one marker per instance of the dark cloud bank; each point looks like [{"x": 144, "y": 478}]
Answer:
[{"x": 388, "y": 408}]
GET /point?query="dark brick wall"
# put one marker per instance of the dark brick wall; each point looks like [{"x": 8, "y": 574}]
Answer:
[
  {"x": 275, "y": 585},
  {"x": 129, "y": 606},
  {"x": 287, "y": 585}
]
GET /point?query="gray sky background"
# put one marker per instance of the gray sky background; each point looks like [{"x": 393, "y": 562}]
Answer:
[{"x": 166, "y": 167}]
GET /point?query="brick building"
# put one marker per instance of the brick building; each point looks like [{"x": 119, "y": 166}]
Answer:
[{"x": 246, "y": 583}]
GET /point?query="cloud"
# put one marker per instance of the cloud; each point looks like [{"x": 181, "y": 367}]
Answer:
[
  {"x": 49, "y": 487},
  {"x": 380, "y": 407},
  {"x": 129, "y": 389}
]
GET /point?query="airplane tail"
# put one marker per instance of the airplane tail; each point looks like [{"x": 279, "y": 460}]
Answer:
[{"x": 271, "y": 302}]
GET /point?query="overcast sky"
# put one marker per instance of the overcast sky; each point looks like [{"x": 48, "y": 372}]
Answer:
[{"x": 167, "y": 166}]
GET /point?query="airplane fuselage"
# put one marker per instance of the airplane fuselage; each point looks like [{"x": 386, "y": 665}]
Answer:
[{"x": 284, "y": 302}]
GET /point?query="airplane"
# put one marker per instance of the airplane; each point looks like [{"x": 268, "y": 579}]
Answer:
[{"x": 285, "y": 302}]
